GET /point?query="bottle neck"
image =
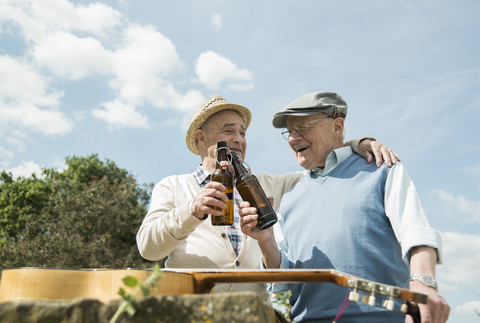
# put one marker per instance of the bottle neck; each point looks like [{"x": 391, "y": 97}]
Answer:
[
  {"x": 239, "y": 169},
  {"x": 224, "y": 164}
]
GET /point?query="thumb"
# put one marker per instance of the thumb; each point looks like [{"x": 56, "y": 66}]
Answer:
[{"x": 271, "y": 200}]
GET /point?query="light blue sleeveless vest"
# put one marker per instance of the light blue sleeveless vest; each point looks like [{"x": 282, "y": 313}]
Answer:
[{"x": 338, "y": 221}]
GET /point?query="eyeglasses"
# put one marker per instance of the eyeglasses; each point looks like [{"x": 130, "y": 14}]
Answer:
[{"x": 301, "y": 127}]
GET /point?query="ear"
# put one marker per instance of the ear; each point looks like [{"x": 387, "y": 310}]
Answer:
[
  {"x": 201, "y": 139},
  {"x": 339, "y": 124}
]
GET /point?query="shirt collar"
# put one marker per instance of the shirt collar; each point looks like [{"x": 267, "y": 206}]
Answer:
[
  {"x": 201, "y": 175},
  {"x": 335, "y": 158}
]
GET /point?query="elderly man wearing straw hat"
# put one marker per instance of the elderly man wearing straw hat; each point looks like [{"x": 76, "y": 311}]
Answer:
[{"x": 175, "y": 224}]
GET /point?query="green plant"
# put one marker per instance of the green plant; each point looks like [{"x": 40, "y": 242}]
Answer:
[
  {"x": 280, "y": 302},
  {"x": 85, "y": 216},
  {"x": 130, "y": 301}
]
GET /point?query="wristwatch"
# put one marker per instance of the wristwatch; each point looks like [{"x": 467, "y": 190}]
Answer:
[{"x": 427, "y": 280}]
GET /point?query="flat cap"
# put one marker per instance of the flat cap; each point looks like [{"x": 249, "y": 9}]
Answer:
[{"x": 329, "y": 103}]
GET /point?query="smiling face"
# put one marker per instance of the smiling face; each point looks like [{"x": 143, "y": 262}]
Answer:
[
  {"x": 312, "y": 148},
  {"x": 226, "y": 125}
]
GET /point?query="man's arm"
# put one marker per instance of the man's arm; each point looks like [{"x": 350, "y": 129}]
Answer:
[
  {"x": 368, "y": 148},
  {"x": 422, "y": 261},
  {"x": 271, "y": 255},
  {"x": 167, "y": 224},
  {"x": 174, "y": 213}
]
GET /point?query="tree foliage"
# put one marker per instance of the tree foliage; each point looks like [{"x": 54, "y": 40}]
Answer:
[{"x": 85, "y": 216}]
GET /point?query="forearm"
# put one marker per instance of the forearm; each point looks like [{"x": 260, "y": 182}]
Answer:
[
  {"x": 271, "y": 255},
  {"x": 423, "y": 260},
  {"x": 161, "y": 232}
]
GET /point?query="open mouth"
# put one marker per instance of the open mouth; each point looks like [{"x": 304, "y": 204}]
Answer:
[{"x": 302, "y": 148}]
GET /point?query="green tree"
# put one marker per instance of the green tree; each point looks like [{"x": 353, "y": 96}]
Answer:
[
  {"x": 85, "y": 216},
  {"x": 19, "y": 201}
]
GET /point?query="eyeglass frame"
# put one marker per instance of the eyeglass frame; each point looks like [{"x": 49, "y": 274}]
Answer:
[{"x": 286, "y": 133}]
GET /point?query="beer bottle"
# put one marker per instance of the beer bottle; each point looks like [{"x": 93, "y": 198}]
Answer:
[
  {"x": 251, "y": 191},
  {"x": 223, "y": 175}
]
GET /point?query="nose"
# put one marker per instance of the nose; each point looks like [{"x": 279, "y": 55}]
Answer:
[
  {"x": 238, "y": 138},
  {"x": 293, "y": 135}
]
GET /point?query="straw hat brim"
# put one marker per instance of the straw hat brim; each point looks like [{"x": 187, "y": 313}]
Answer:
[{"x": 202, "y": 115}]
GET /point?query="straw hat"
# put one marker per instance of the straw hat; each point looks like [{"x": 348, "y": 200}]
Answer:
[{"x": 213, "y": 105}]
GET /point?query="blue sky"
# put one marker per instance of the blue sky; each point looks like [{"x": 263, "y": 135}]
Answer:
[{"x": 122, "y": 79}]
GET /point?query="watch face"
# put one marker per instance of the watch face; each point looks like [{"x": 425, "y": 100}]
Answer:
[{"x": 428, "y": 279}]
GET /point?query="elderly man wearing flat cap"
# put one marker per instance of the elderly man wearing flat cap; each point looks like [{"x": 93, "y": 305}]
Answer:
[
  {"x": 175, "y": 225},
  {"x": 348, "y": 215}
]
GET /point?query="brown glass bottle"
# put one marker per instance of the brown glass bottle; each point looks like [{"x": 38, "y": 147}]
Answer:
[
  {"x": 223, "y": 175},
  {"x": 251, "y": 191}
]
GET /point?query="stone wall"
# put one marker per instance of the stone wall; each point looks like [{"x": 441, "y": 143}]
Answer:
[{"x": 234, "y": 307}]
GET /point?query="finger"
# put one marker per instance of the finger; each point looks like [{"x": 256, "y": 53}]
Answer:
[
  {"x": 248, "y": 222},
  {"x": 386, "y": 156},
  {"x": 219, "y": 195},
  {"x": 249, "y": 218},
  {"x": 443, "y": 311},
  {"x": 215, "y": 185},
  {"x": 271, "y": 200},
  {"x": 396, "y": 156},
  {"x": 393, "y": 158},
  {"x": 425, "y": 314},
  {"x": 210, "y": 202},
  {"x": 247, "y": 211},
  {"x": 244, "y": 204},
  {"x": 203, "y": 209},
  {"x": 377, "y": 152},
  {"x": 369, "y": 157},
  {"x": 378, "y": 157}
]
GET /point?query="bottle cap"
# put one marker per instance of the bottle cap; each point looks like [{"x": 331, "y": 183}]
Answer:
[{"x": 224, "y": 163}]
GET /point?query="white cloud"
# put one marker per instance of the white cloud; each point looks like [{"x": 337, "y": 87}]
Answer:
[
  {"x": 460, "y": 205},
  {"x": 66, "y": 55},
  {"x": 146, "y": 56},
  {"x": 214, "y": 70},
  {"x": 5, "y": 152},
  {"x": 468, "y": 308},
  {"x": 188, "y": 102},
  {"x": 37, "y": 18},
  {"x": 64, "y": 40},
  {"x": 22, "y": 94},
  {"x": 120, "y": 115},
  {"x": 26, "y": 169},
  {"x": 461, "y": 257},
  {"x": 217, "y": 21},
  {"x": 31, "y": 118},
  {"x": 21, "y": 82}
]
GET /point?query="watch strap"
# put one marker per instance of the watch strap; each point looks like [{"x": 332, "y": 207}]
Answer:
[{"x": 425, "y": 279}]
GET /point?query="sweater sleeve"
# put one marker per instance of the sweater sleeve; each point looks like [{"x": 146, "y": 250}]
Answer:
[
  {"x": 168, "y": 221},
  {"x": 275, "y": 185}
]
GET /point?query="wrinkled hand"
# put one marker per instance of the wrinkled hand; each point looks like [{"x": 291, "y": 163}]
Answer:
[
  {"x": 435, "y": 311},
  {"x": 211, "y": 195},
  {"x": 369, "y": 148},
  {"x": 248, "y": 223}
]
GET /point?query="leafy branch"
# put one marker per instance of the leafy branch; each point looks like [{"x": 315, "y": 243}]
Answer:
[
  {"x": 280, "y": 301},
  {"x": 130, "y": 301}
]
